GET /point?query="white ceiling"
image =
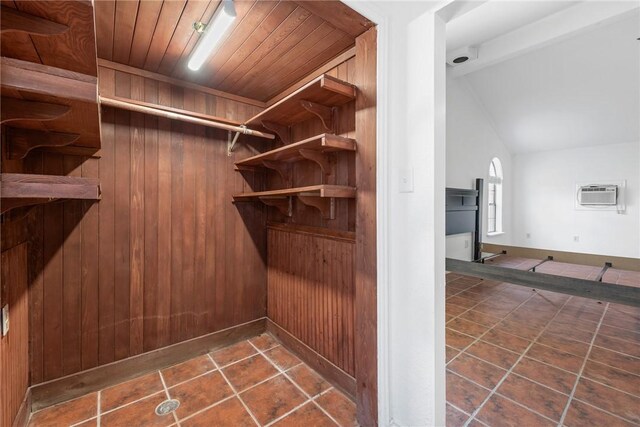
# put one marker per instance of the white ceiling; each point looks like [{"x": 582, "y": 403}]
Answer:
[
  {"x": 581, "y": 91},
  {"x": 494, "y": 18}
]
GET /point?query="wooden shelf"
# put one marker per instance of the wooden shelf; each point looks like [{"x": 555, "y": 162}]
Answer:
[
  {"x": 339, "y": 191},
  {"x": 315, "y": 99},
  {"x": 27, "y": 189},
  {"x": 321, "y": 197},
  {"x": 323, "y": 143}
]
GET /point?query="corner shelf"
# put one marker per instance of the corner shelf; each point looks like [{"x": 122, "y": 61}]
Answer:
[
  {"x": 321, "y": 197},
  {"x": 314, "y": 149},
  {"x": 315, "y": 99},
  {"x": 27, "y": 189}
]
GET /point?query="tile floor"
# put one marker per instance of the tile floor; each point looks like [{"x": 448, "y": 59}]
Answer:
[
  {"x": 520, "y": 357},
  {"x": 254, "y": 382}
]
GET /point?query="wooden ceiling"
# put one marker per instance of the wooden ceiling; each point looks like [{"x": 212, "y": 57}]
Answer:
[{"x": 271, "y": 46}]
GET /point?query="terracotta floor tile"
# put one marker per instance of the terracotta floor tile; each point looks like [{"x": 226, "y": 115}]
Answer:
[
  {"x": 90, "y": 423},
  {"x": 554, "y": 378},
  {"x": 451, "y": 353},
  {"x": 68, "y": 413},
  {"x": 481, "y": 318},
  {"x": 457, "y": 340},
  {"x": 533, "y": 396},
  {"x": 141, "y": 413},
  {"x": 308, "y": 380},
  {"x": 618, "y": 345},
  {"x": 455, "y": 418},
  {"x": 519, "y": 329},
  {"x": 467, "y": 327},
  {"x": 613, "y": 377},
  {"x": 231, "y": 354},
  {"x": 496, "y": 355},
  {"x": 476, "y": 370},
  {"x": 229, "y": 413},
  {"x": 617, "y": 360},
  {"x": 282, "y": 358},
  {"x": 272, "y": 399},
  {"x": 473, "y": 296},
  {"x": 129, "y": 391},
  {"x": 462, "y": 302},
  {"x": 249, "y": 372},
  {"x": 506, "y": 341},
  {"x": 570, "y": 331},
  {"x": 555, "y": 357},
  {"x": 583, "y": 325},
  {"x": 463, "y": 393},
  {"x": 454, "y": 310},
  {"x": 187, "y": 370},
  {"x": 563, "y": 343},
  {"x": 264, "y": 342},
  {"x": 341, "y": 408},
  {"x": 499, "y": 412},
  {"x": 308, "y": 415},
  {"x": 200, "y": 392},
  {"x": 493, "y": 308},
  {"x": 582, "y": 415},
  {"x": 614, "y": 401},
  {"x": 623, "y": 334}
]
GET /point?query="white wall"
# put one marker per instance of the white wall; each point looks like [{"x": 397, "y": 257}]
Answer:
[
  {"x": 471, "y": 144},
  {"x": 544, "y": 194}
]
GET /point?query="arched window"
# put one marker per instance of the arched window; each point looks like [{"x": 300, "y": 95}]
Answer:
[{"x": 494, "y": 214}]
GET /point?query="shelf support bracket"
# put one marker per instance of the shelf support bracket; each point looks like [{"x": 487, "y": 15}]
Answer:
[
  {"x": 282, "y": 131},
  {"x": 19, "y": 109},
  {"x": 9, "y": 204},
  {"x": 283, "y": 169},
  {"x": 283, "y": 204},
  {"x": 321, "y": 159},
  {"x": 232, "y": 140},
  {"x": 21, "y": 141},
  {"x": 326, "y": 206},
  {"x": 323, "y": 112}
]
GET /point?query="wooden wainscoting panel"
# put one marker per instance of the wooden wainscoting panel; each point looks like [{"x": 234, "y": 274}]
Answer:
[
  {"x": 14, "y": 347},
  {"x": 311, "y": 289}
]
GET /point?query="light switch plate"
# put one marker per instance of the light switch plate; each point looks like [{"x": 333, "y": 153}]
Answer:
[
  {"x": 5, "y": 320},
  {"x": 406, "y": 180}
]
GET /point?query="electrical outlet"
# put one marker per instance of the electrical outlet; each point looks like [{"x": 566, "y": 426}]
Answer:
[
  {"x": 576, "y": 239},
  {"x": 528, "y": 235},
  {"x": 466, "y": 244},
  {"x": 406, "y": 180},
  {"x": 5, "y": 320}
]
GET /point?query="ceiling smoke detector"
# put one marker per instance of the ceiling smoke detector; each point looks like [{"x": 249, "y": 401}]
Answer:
[{"x": 462, "y": 56}]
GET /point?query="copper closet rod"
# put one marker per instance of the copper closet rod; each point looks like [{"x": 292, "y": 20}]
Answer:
[{"x": 117, "y": 103}]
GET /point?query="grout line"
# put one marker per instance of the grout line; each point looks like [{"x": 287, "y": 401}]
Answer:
[
  {"x": 284, "y": 372},
  {"x": 235, "y": 392},
  {"x": 199, "y": 411},
  {"x": 166, "y": 390},
  {"x": 604, "y": 410},
  {"x": 584, "y": 364},
  {"x": 479, "y": 408},
  {"x": 99, "y": 407}
]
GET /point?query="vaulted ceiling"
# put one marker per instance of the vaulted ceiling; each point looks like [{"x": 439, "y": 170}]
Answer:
[
  {"x": 580, "y": 89},
  {"x": 271, "y": 45}
]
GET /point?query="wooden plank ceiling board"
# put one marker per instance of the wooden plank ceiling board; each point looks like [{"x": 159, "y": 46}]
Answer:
[{"x": 271, "y": 45}]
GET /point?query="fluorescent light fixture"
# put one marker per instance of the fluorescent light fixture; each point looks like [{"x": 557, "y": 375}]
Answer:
[{"x": 217, "y": 27}]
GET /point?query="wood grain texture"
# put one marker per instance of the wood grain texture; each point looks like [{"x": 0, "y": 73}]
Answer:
[
  {"x": 138, "y": 270},
  {"x": 72, "y": 50},
  {"x": 270, "y": 46},
  {"x": 310, "y": 291},
  {"x": 366, "y": 329},
  {"x": 14, "y": 347}
]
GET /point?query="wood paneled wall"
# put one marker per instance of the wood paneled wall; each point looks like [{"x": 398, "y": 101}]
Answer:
[
  {"x": 164, "y": 256},
  {"x": 310, "y": 290},
  {"x": 14, "y": 348}
]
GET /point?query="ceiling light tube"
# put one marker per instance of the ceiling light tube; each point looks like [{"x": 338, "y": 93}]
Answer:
[{"x": 215, "y": 30}]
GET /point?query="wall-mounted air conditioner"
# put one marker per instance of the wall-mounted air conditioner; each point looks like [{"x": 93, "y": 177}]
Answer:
[
  {"x": 598, "y": 195},
  {"x": 601, "y": 195}
]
